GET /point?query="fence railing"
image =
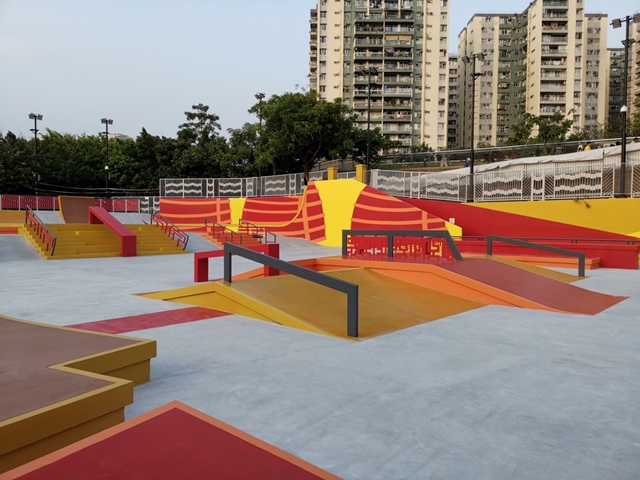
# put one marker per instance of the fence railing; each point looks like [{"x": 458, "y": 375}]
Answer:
[
  {"x": 432, "y": 186},
  {"x": 21, "y": 202},
  {"x": 170, "y": 229},
  {"x": 41, "y": 230},
  {"x": 221, "y": 232}
]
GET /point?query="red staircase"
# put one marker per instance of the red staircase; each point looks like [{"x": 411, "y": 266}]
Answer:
[{"x": 221, "y": 234}]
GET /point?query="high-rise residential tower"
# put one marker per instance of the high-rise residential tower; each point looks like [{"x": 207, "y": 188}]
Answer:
[
  {"x": 550, "y": 58},
  {"x": 393, "y": 52}
]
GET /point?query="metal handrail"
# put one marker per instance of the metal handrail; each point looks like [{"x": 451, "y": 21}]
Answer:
[
  {"x": 170, "y": 229},
  {"x": 554, "y": 239},
  {"x": 351, "y": 289},
  {"x": 41, "y": 229},
  {"x": 390, "y": 234},
  {"x": 265, "y": 233},
  {"x": 563, "y": 251},
  {"x": 210, "y": 223}
]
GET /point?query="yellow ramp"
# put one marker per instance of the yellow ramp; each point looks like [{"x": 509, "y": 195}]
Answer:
[{"x": 386, "y": 304}]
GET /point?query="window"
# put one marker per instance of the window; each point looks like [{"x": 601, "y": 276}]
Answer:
[
  {"x": 323, "y": 39},
  {"x": 323, "y": 51}
]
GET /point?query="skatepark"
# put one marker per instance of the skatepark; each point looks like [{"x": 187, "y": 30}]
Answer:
[{"x": 489, "y": 367}]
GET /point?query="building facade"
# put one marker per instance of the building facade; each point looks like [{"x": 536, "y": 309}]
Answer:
[
  {"x": 616, "y": 98},
  {"x": 550, "y": 58},
  {"x": 387, "y": 59}
]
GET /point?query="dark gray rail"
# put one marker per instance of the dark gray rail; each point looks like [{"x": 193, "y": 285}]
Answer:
[
  {"x": 570, "y": 253},
  {"x": 351, "y": 289}
]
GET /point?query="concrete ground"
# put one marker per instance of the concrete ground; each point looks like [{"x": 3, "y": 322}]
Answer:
[{"x": 495, "y": 393}]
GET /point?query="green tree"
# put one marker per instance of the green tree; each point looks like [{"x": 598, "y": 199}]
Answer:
[
  {"x": 241, "y": 156},
  {"x": 549, "y": 129},
  {"x": 201, "y": 148},
  {"x": 301, "y": 128},
  {"x": 17, "y": 173},
  {"x": 355, "y": 147},
  {"x": 423, "y": 147}
]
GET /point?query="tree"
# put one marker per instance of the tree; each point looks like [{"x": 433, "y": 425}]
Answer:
[
  {"x": 356, "y": 146},
  {"x": 200, "y": 146},
  {"x": 241, "y": 157},
  {"x": 549, "y": 129},
  {"x": 300, "y": 128}
]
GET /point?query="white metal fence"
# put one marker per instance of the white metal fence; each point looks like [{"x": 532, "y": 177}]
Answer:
[{"x": 434, "y": 186}]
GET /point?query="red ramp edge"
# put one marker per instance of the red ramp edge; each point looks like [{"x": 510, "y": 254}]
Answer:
[
  {"x": 545, "y": 291},
  {"x": 173, "y": 441}
]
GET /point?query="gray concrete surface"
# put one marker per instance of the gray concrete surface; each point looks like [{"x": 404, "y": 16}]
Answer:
[{"x": 495, "y": 393}]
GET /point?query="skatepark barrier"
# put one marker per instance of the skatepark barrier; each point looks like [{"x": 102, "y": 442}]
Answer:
[
  {"x": 170, "y": 229},
  {"x": 128, "y": 241},
  {"x": 347, "y": 236},
  {"x": 248, "y": 228},
  {"x": 545, "y": 248},
  {"x": 349, "y": 288},
  {"x": 201, "y": 260},
  {"x": 41, "y": 230}
]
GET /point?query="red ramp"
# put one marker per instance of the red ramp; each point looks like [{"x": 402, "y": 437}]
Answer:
[{"x": 548, "y": 293}]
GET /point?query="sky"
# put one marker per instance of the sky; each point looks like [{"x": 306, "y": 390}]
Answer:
[{"x": 144, "y": 63}]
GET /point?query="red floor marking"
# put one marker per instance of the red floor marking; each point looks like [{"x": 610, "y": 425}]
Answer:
[
  {"x": 151, "y": 320},
  {"x": 173, "y": 445}
]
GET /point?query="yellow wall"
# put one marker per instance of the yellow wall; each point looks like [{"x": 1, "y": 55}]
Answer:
[
  {"x": 338, "y": 201},
  {"x": 453, "y": 229},
  {"x": 237, "y": 206},
  {"x": 616, "y": 215}
]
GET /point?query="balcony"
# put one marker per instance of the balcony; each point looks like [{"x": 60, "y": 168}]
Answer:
[
  {"x": 360, "y": 30},
  {"x": 398, "y": 91},
  {"x": 554, "y": 27},
  {"x": 398, "y": 79},
  {"x": 370, "y": 54},
  {"x": 555, "y": 15},
  {"x": 399, "y": 116},
  {"x": 552, "y": 86},
  {"x": 555, "y": 3},
  {"x": 398, "y": 29},
  {"x": 363, "y": 104}
]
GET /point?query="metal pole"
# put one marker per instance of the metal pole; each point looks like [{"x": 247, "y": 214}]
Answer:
[
  {"x": 107, "y": 165},
  {"x": 473, "y": 113},
  {"x": 623, "y": 149},
  {"x": 368, "y": 117}
]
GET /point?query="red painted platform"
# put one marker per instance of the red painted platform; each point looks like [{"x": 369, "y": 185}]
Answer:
[
  {"x": 150, "y": 320},
  {"x": 169, "y": 443},
  {"x": 542, "y": 290}
]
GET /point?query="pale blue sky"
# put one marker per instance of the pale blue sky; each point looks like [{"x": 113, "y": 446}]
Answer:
[{"x": 143, "y": 63}]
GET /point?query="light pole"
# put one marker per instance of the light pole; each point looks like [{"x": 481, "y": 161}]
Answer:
[
  {"x": 35, "y": 117},
  {"x": 107, "y": 122},
  {"x": 472, "y": 60},
  {"x": 260, "y": 97},
  {"x": 627, "y": 42},
  {"x": 369, "y": 71}
]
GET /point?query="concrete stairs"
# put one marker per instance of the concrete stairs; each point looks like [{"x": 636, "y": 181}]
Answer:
[
  {"x": 153, "y": 241},
  {"x": 76, "y": 241}
]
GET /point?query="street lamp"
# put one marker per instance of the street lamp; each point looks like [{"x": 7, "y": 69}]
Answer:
[
  {"x": 260, "y": 97},
  {"x": 472, "y": 60},
  {"x": 369, "y": 71},
  {"x": 35, "y": 117},
  {"x": 627, "y": 42},
  {"x": 107, "y": 122}
]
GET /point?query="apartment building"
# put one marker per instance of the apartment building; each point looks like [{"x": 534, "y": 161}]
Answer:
[
  {"x": 393, "y": 52},
  {"x": 634, "y": 69},
  {"x": 500, "y": 89},
  {"x": 454, "y": 104},
  {"x": 615, "y": 95},
  {"x": 551, "y": 57}
]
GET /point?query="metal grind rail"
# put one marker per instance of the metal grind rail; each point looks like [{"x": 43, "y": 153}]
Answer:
[
  {"x": 351, "y": 289},
  {"x": 170, "y": 229},
  {"x": 218, "y": 230},
  {"x": 545, "y": 248},
  {"x": 248, "y": 228},
  {"x": 40, "y": 230}
]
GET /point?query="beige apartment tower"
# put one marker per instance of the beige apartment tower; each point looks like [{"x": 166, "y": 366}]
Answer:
[
  {"x": 550, "y": 58},
  {"x": 393, "y": 52}
]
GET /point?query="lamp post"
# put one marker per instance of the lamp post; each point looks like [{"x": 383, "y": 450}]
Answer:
[
  {"x": 369, "y": 71},
  {"x": 471, "y": 59},
  {"x": 627, "y": 42},
  {"x": 107, "y": 122},
  {"x": 260, "y": 97},
  {"x": 35, "y": 117}
]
